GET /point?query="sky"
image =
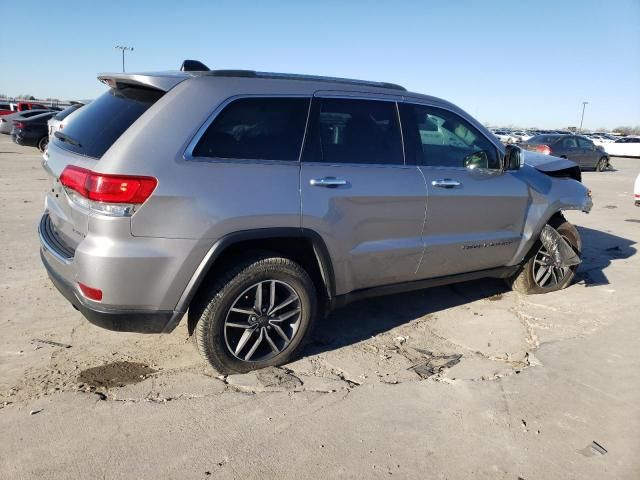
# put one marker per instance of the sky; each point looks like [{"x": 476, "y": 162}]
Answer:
[{"x": 520, "y": 63}]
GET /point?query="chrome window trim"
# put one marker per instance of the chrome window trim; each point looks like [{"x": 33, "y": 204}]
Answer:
[{"x": 190, "y": 157}]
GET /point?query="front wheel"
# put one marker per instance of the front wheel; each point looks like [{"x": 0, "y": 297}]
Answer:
[
  {"x": 537, "y": 275},
  {"x": 255, "y": 315}
]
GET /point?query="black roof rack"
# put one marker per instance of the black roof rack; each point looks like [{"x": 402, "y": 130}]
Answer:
[{"x": 293, "y": 76}]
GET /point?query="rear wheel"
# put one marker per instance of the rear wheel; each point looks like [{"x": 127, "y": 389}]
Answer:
[
  {"x": 538, "y": 275},
  {"x": 42, "y": 144},
  {"x": 602, "y": 164},
  {"x": 256, "y": 315}
]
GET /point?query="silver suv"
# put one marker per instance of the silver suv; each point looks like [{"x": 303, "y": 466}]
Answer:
[{"x": 257, "y": 202}]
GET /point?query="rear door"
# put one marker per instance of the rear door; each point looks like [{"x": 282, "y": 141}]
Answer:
[
  {"x": 358, "y": 194},
  {"x": 475, "y": 212},
  {"x": 568, "y": 147},
  {"x": 589, "y": 155}
]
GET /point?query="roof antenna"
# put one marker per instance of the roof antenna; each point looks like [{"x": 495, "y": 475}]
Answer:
[{"x": 193, "y": 66}]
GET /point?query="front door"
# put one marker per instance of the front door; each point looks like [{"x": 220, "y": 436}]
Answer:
[
  {"x": 358, "y": 194},
  {"x": 475, "y": 212}
]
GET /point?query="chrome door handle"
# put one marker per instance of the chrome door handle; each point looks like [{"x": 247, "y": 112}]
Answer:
[
  {"x": 446, "y": 183},
  {"x": 328, "y": 182}
]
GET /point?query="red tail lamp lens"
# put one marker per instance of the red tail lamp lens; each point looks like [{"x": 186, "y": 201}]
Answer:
[
  {"x": 108, "y": 188},
  {"x": 546, "y": 149}
]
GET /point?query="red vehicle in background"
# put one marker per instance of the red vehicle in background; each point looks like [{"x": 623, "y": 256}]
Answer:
[{"x": 7, "y": 108}]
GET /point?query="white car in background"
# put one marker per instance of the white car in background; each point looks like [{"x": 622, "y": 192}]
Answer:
[
  {"x": 57, "y": 122},
  {"x": 624, "y": 147},
  {"x": 599, "y": 138},
  {"x": 521, "y": 135},
  {"x": 504, "y": 136}
]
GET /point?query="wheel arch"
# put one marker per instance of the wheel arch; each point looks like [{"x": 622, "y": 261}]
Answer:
[{"x": 304, "y": 246}]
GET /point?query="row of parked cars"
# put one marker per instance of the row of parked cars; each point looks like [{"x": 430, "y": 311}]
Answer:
[
  {"x": 33, "y": 124},
  {"x": 589, "y": 150}
]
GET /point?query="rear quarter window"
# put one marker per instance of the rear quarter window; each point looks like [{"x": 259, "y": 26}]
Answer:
[
  {"x": 256, "y": 129},
  {"x": 99, "y": 124}
]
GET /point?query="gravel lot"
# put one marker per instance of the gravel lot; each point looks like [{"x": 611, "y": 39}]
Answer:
[{"x": 465, "y": 381}]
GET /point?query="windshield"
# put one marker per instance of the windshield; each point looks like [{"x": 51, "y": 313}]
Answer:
[{"x": 98, "y": 125}]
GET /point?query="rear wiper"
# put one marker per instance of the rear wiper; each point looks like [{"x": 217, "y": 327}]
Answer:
[{"x": 66, "y": 138}]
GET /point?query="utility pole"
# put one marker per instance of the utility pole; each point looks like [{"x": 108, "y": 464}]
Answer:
[
  {"x": 584, "y": 104},
  {"x": 123, "y": 49}
]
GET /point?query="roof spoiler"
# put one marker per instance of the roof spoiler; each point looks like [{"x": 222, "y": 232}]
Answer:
[{"x": 193, "y": 66}]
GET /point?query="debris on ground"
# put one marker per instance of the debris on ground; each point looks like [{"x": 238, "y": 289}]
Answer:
[
  {"x": 51, "y": 342},
  {"x": 594, "y": 448}
]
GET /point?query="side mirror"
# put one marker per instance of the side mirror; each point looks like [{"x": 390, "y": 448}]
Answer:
[{"x": 512, "y": 159}]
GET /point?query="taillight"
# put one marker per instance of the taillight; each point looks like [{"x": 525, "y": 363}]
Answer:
[
  {"x": 18, "y": 124},
  {"x": 125, "y": 191},
  {"x": 546, "y": 149}
]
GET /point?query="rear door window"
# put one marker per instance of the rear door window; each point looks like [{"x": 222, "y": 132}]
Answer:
[
  {"x": 256, "y": 129},
  {"x": 99, "y": 124},
  {"x": 584, "y": 143},
  {"x": 354, "y": 131},
  {"x": 569, "y": 142}
]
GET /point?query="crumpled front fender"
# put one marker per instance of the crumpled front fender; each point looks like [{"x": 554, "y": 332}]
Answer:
[{"x": 548, "y": 196}]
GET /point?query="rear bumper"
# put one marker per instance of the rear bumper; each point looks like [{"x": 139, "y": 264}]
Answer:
[
  {"x": 116, "y": 320},
  {"x": 58, "y": 268}
]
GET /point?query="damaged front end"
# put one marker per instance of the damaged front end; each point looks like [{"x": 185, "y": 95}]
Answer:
[
  {"x": 552, "y": 166},
  {"x": 561, "y": 254}
]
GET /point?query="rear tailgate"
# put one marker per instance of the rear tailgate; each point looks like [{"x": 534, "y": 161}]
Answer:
[{"x": 82, "y": 143}]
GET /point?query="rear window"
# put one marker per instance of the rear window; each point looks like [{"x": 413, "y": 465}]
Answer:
[
  {"x": 66, "y": 112},
  {"x": 543, "y": 139},
  {"x": 99, "y": 124},
  {"x": 32, "y": 113}
]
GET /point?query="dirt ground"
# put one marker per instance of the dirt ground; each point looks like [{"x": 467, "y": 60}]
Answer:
[{"x": 465, "y": 381}]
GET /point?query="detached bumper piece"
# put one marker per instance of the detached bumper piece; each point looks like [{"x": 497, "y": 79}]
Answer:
[{"x": 562, "y": 254}]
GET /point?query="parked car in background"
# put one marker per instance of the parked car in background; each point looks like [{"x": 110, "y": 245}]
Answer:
[
  {"x": 504, "y": 136},
  {"x": 56, "y": 122},
  {"x": 521, "y": 135},
  {"x": 5, "y": 109},
  {"x": 22, "y": 106},
  {"x": 292, "y": 195},
  {"x": 624, "y": 147},
  {"x": 6, "y": 121},
  {"x": 32, "y": 131},
  {"x": 636, "y": 191},
  {"x": 573, "y": 147}
]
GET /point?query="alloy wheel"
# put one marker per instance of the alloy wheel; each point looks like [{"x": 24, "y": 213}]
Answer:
[
  {"x": 262, "y": 321},
  {"x": 545, "y": 274}
]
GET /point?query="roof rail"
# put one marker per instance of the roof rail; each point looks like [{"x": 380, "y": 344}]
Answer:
[{"x": 293, "y": 76}]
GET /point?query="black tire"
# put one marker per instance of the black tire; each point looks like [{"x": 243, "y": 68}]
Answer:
[
  {"x": 602, "y": 165},
  {"x": 212, "y": 308},
  {"x": 525, "y": 282},
  {"x": 42, "y": 143}
]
